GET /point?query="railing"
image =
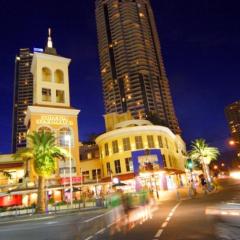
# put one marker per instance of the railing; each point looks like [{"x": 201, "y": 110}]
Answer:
[{"x": 18, "y": 211}]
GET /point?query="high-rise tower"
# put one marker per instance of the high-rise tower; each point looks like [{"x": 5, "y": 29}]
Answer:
[
  {"x": 232, "y": 113},
  {"x": 132, "y": 68},
  {"x": 23, "y": 96}
]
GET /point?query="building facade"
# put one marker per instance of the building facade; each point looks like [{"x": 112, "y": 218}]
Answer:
[
  {"x": 132, "y": 68},
  {"x": 138, "y": 150},
  {"x": 232, "y": 113},
  {"x": 23, "y": 96},
  {"x": 51, "y": 111}
]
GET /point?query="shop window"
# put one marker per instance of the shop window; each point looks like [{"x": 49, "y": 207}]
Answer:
[
  {"x": 46, "y": 95},
  {"x": 126, "y": 144},
  {"x": 46, "y": 74},
  {"x": 115, "y": 146},
  {"x": 160, "y": 143},
  {"x": 129, "y": 164},
  {"x": 60, "y": 96},
  {"x": 138, "y": 142},
  {"x": 58, "y": 76},
  {"x": 150, "y": 141},
  {"x": 106, "y": 149},
  {"x": 63, "y": 139},
  {"x": 117, "y": 166}
]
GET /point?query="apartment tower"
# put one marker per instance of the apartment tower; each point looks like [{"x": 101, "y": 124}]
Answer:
[
  {"x": 232, "y": 113},
  {"x": 23, "y": 96},
  {"x": 132, "y": 69}
]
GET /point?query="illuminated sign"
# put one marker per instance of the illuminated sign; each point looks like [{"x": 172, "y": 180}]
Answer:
[
  {"x": 37, "y": 50},
  {"x": 147, "y": 160},
  {"x": 54, "y": 120}
]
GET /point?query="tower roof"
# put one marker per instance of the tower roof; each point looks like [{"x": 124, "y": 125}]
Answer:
[{"x": 49, "y": 49}]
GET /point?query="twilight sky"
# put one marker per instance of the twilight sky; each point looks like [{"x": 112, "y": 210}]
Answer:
[{"x": 201, "y": 48}]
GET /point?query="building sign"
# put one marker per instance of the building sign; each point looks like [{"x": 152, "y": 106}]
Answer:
[
  {"x": 66, "y": 180},
  {"x": 147, "y": 160},
  {"x": 54, "y": 120}
]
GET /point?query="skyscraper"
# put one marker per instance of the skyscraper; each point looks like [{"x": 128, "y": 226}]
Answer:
[
  {"x": 23, "y": 96},
  {"x": 232, "y": 113},
  {"x": 132, "y": 68}
]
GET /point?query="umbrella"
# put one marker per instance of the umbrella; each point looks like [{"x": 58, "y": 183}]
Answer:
[{"x": 119, "y": 184}]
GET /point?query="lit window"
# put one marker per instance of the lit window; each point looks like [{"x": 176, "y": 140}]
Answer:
[
  {"x": 115, "y": 146},
  {"x": 44, "y": 130},
  {"x": 46, "y": 74},
  {"x": 129, "y": 164},
  {"x": 126, "y": 144},
  {"x": 60, "y": 98},
  {"x": 160, "y": 143},
  {"x": 138, "y": 142},
  {"x": 141, "y": 14},
  {"x": 63, "y": 132},
  {"x": 150, "y": 141},
  {"x": 58, "y": 75},
  {"x": 117, "y": 166},
  {"x": 46, "y": 95},
  {"x": 106, "y": 149}
]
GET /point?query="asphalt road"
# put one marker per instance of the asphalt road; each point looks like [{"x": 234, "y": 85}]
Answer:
[{"x": 183, "y": 220}]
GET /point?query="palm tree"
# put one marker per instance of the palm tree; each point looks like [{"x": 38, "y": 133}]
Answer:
[
  {"x": 43, "y": 153},
  {"x": 204, "y": 154}
]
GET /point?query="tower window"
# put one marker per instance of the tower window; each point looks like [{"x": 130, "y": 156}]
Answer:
[
  {"x": 60, "y": 96},
  {"x": 46, "y": 95},
  {"x": 58, "y": 76},
  {"x": 46, "y": 74}
]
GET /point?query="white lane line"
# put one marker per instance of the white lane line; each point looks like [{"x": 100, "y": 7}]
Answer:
[
  {"x": 164, "y": 224},
  {"x": 100, "y": 231},
  {"x": 158, "y": 234},
  {"x": 51, "y": 222},
  {"x": 109, "y": 225},
  {"x": 93, "y": 218},
  {"x": 90, "y": 237},
  {"x": 28, "y": 220}
]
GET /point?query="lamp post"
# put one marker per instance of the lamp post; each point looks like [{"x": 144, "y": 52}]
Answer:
[{"x": 68, "y": 139}]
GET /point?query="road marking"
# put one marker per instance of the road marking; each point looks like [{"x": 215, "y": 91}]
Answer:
[
  {"x": 100, "y": 231},
  {"x": 52, "y": 222},
  {"x": 165, "y": 223},
  {"x": 90, "y": 237},
  {"x": 28, "y": 220},
  {"x": 109, "y": 225},
  {"x": 158, "y": 234},
  {"x": 93, "y": 218}
]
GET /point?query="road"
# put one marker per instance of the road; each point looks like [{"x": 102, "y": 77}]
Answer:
[{"x": 173, "y": 220}]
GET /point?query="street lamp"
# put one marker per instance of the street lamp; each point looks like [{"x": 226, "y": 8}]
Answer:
[{"x": 67, "y": 138}]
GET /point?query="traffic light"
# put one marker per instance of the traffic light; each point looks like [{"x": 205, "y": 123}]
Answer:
[{"x": 189, "y": 164}]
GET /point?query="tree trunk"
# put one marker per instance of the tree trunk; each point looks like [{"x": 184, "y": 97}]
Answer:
[{"x": 41, "y": 205}]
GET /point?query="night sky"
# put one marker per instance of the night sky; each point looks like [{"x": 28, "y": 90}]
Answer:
[{"x": 201, "y": 49}]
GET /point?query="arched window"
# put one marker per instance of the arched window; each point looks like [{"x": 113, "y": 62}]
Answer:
[
  {"x": 46, "y": 74},
  {"x": 58, "y": 76},
  {"x": 44, "y": 129},
  {"x": 65, "y": 134}
]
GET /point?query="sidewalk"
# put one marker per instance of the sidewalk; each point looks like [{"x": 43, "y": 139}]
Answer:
[{"x": 183, "y": 194}]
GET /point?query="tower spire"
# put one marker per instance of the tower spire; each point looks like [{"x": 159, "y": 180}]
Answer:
[
  {"x": 49, "y": 49},
  {"x": 49, "y": 43}
]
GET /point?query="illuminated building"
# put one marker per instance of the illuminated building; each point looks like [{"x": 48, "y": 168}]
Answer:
[
  {"x": 23, "y": 96},
  {"x": 51, "y": 110},
  {"x": 132, "y": 68},
  {"x": 232, "y": 113},
  {"x": 137, "y": 149}
]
